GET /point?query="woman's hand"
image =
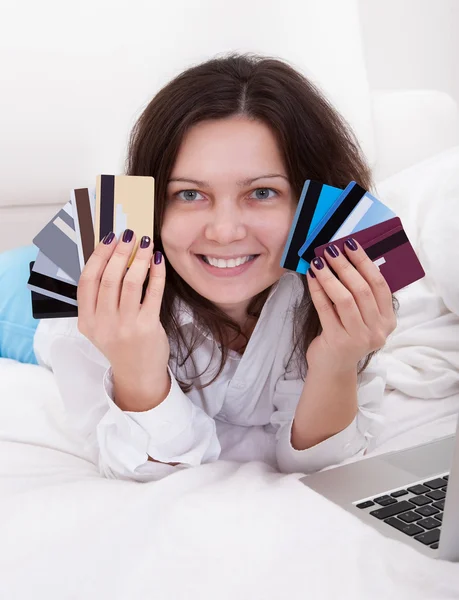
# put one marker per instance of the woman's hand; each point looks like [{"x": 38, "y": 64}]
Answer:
[
  {"x": 355, "y": 311},
  {"x": 128, "y": 333}
]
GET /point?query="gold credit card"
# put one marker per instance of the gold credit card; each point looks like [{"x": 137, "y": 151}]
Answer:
[{"x": 124, "y": 202}]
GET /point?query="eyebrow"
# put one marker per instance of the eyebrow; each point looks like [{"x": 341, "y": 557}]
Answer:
[{"x": 241, "y": 183}]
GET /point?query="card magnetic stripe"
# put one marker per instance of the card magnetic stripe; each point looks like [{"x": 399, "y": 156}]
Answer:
[
  {"x": 53, "y": 285},
  {"x": 64, "y": 215},
  {"x": 44, "y": 307},
  {"x": 107, "y": 205},
  {"x": 83, "y": 205},
  {"x": 301, "y": 222},
  {"x": 324, "y": 235},
  {"x": 390, "y": 243}
]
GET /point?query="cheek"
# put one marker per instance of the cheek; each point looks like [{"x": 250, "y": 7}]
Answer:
[
  {"x": 274, "y": 229},
  {"x": 176, "y": 232}
]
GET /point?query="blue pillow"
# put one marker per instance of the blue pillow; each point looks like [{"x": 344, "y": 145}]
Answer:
[{"x": 17, "y": 325}]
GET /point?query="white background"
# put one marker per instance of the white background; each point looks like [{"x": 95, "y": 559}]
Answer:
[{"x": 412, "y": 44}]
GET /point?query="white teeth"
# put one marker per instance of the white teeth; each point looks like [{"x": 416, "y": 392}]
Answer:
[{"x": 225, "y": 264}]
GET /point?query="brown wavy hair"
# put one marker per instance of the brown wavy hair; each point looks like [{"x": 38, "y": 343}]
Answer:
[{"x": 315, "y": 142}]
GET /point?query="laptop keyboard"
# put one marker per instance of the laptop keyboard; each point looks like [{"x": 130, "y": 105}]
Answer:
[{"x": 416, "y": 510}]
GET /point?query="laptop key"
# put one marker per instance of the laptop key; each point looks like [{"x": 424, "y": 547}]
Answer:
[
  {"x": 445, "y": 489},
  {"x": 409, "y": 516},
  {"x": 440, "y": 504},
  {"x": 429, "y": 537},
  {"x": 365, "y": 504},
  {"x": 446, "y": 477},
  {"x": 427, "y": 511},
  {"x": 418, "y": 489},
  {"x": 435, "y": 483},
  {"x": 393, "y": 509},
  {"x": 399, "y": 493},
  {"x": 429, "y": 523},
  {"x": 439, "y": 516},
  {"x": 434, "y": 546},
  {"x": 436, "y": 494},
  {"x": 384, "y": 500},
  {"x": 407, "y": 528},
  {"x": 420, "y": 500}
]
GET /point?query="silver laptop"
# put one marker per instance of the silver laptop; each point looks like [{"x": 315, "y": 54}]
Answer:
[{"x": 410, "y": 495}]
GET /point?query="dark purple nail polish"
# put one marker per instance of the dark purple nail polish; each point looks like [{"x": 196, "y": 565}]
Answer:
[
  {"x": 311, "y": 272},
  {"x": 332, "y": 250},
  {"x": 108, "y": 239},
  {"x": 128, "y": 235},
  {"x": 145, "y": 241},
  {"x": 158, "y": 257},
  {"x": 351, "y": 244},
  {"x": 318, "y": 263}
]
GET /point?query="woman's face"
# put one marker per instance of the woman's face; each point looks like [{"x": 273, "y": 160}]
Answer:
[{"x": 229, "y": 203}]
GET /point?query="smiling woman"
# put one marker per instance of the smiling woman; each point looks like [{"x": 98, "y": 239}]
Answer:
[
  {"x": 227, "y": 345},
  {"x": 221, "y": 126}
]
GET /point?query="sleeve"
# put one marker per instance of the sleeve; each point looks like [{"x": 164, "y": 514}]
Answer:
[
  {"x": 176, "y": 431},
  {"x": 352, "y": 441}
]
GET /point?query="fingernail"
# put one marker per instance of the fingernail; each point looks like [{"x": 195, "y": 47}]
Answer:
[
  {"x": 318, "y": 263},
  {"x": 108, "y": 239},
  {"x": 311, "y": 272},
  {"x": 127, "y": 235},
  {"x": 332, "y": 250},
  {"x": 158, "y": 257},
  {"x": 145, "y": 241},
  {"x": 351, "y": 244}
]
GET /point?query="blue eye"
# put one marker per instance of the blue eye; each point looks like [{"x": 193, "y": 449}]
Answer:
[
  {"x": 264, "y": 190},
  {"x": 189, "y": 195}
]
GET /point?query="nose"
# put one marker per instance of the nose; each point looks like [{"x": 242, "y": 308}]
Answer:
[{"x": 226, "y": 224}]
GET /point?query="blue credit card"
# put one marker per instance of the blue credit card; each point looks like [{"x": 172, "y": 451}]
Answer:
[
  {"x": 315, "y": 201},
  {"x": 355, "y": 210}
]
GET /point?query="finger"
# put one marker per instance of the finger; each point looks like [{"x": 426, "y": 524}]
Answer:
[
  {"x": 324, "y": 306},
  {"x": 89, "y": 282},
  {"x": 131, "y": 289},
  {"x": 370, "y": 272},
  {"x": 355, "y": 282},
  {"x": 151, "y": 305},
  {"x": 112, "y": 277},
  {"x": 341, "y": 297}
]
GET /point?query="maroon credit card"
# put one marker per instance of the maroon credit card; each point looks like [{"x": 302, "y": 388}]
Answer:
[{"x": 389, "y": 248}]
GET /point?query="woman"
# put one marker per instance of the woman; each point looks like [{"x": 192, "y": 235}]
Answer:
[{"x": 229, "y": 355}]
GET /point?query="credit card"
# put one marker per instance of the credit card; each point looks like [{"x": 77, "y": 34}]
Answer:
[
  {"x": 57, "y": 240},
  {"x": 315, "y": 200},
  {"x": 356, "y": 209},
  {"x": 53, "y": 288},
  {"x": 83, "y": 201},
  {"x": 124, "y": 202},
  {"x": 388, "y": 246},
  {"x": 44, "y": 307},
  {"x": 45, "y": 266}
]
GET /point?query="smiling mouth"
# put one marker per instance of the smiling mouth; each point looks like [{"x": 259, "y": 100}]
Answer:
[{"x": 227, "y": 267}]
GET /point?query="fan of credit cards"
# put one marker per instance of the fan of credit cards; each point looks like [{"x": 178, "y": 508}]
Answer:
[
  {"x": 327, "y": 214},
  {"x": 68, "y": 240}
]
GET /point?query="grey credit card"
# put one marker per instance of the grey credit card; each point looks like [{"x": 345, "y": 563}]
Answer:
[{"x": 58, "y": 241}]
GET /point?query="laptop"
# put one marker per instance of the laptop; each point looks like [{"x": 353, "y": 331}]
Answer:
[{"x": 410, "y": 495}]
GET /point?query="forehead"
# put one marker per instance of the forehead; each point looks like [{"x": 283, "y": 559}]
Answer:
[{"x": 236, "y": 147}]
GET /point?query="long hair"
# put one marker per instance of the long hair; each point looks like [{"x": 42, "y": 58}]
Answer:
[{"x": 315, "y": 143}]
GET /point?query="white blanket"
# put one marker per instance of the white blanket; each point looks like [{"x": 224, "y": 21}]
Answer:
[
  {"x": 423, "y": 353},
  {"x": 226, "y": 530},
  {"x": 223, "y": 530}
]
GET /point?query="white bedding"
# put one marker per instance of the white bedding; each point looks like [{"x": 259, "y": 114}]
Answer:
[{"x": 223, "y": 530}]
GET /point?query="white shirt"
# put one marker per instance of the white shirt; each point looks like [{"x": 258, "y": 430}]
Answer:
[{"x": 246, "y": 414}]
